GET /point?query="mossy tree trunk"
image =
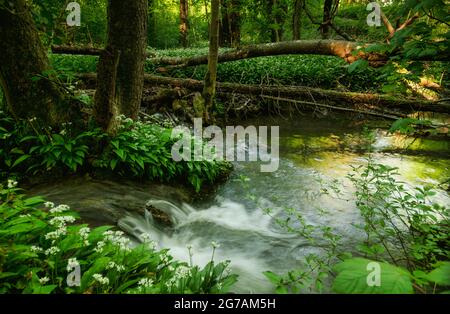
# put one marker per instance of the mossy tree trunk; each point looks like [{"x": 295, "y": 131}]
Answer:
[
  {"x": 30, "y": 90},
  {"x": 209, "y": 90},
  {"x": 123, "y": 59}
]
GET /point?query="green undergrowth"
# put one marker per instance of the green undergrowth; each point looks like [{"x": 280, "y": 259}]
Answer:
[{"x": 138, "y": 150}]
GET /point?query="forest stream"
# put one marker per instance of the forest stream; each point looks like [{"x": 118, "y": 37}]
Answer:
[{"x": 313, "y": 155}]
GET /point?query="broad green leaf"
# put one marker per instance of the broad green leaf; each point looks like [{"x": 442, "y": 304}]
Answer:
[{"x": 354, "y": 274}]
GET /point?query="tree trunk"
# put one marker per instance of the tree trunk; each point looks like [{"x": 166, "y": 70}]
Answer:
[
  {"x": 209, "y": 90},
  {"x": 127, "y": 41},
  {"x": 327, "y": 16},
  {"x": 235, "y": 23},
  {"x": 230, "y": 24},
  {"x": 29, "y": 87},
  {"x": 297, "y": 20},
  {"x": 342, "y": 49},
  {"x": 225, "y": 28},
  {"x": 184, "y": 22}
]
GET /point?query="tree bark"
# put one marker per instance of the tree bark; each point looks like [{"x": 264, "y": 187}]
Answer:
[
  {"x": 209, "y": 89},
  {"x": 129, "y": 41},
  {"x": 184, "y": 22},
  {"x": 25, "y": 76},
  {"x": 327, "y": 17},
  {"x": 230, "y": 23},
  {"x": 297, "y": 19}
]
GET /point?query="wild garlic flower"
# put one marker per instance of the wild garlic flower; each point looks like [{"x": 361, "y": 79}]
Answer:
[
  {"x": 54, "y": 235},
  {"x": 215, "y": 244},
  {"x": 117, "y": 238},
  {"x": 145, "y": 283},
  {"x": 113, "y": 265},
  {"x": 146, "y": 237},
  {"x": 100, "y": 246},
  {"x": 72, "y": 264},
  {"x": 44, "y": 280},
  {"x": 36, "y": 249},
  {"x": 49, "y": 205},
  {"x": 52, "y": 251},
  {"x": 84, "y": 234},
  {"x": 101, "y": 280},
  {"x": 12, "y": 184},
  {"x": 61, "y": 221},
  {"x": 58, "y": 209},
  {"x": 182, "y": 272}
]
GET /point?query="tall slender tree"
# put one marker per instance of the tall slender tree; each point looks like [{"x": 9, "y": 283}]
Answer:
[
  {"x": 297, "y": 19},
  {"x": 230, "y": 23},
  {"x": 209, "y": 90},
  {"x": 120, "y": 70},
  {"x": 184, "y": 22}
]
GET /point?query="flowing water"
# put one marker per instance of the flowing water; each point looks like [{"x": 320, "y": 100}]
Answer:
[{"x": 315, "y": 155}]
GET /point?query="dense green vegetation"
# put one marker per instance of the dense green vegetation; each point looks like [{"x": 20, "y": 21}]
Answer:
[
  {"x": 139, "y": 150},
  {"x": 52, "y": 127}
]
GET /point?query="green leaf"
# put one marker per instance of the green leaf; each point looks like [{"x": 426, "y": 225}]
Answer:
[
  {"x": 44, "y": 289},
  {"x": 20, "y": 160},
  {"x": 274, "y": 278},
  {"x": 358, "y": 65},
  {"x": 441, "y": 275},
  {"x": 353, "y": 275}
]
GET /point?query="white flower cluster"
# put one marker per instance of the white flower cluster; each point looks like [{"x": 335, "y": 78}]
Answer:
[
  {"x": 100, "y": 246},
  {"x": 84, "y": 234},
  {"x": 44, "y": 280},
  {"x": 113, "y": 265},
  {"x": 49, "y": 205},
  {"x": 54, "y": 235},
  {"x": 164, "y": 258},
  {"x": 36, "y": 249},
  {"x": 145, "y": 283},
  {"x": 101, "y": 280},
  {"x": 117, "y": 238},
  {"x": 52, "y": 251},
  {"x": 215, "y": 245},
  {"x": 12, "y": 184},
  {"x": 72, "y": 264},
  {"x": 181, "y": 272},
  {"x": 58, "y": 209},
  {"x": 61, "y": 221},
  {"x": 147, "y": 239}
]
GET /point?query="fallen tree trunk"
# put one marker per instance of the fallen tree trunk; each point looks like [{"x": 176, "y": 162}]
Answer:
[
  {"x": 338, "y": 48},
  {"x": 86, "y": 51},
  {"x": 371, "y": 101},
  {"x": 70, "y": 50}
]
